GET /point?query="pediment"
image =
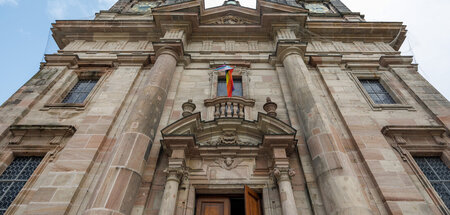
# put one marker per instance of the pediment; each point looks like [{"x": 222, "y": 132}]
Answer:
[
  {"x": 228, "y": 131},
  {"x": 230, "y": 20},
  {"x": 230, "y": 15}
]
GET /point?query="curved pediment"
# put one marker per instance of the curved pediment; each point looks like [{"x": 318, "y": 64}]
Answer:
[{"x": 228, "y": 131}]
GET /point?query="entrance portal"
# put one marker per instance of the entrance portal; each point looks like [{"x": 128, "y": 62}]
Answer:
[{"x": 247, "y": 204}]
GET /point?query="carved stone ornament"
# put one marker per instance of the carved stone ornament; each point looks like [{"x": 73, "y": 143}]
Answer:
[
  {"x": 228, "y": 138},
  {"x": 188, "y": 108},
  {"x": 228, "y": 163},
  {"x": 230, "y": 20},
  {"x": 176, "y": 173},
  {"x": 270, "y": 107},
  {"x": 283, "y": 174}
]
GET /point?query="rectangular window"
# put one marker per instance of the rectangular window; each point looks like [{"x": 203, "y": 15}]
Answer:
[
  {"x": 376, "y": 91},
  {"x": 438, "y": 174},
  {"x": 80, "y": 91},
  {"x": 14, "y": 178},
  {"x": 222, "y": 87}
]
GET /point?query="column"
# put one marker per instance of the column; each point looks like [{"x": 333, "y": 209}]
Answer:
[
  {"x": 118, "y": 189},
  {"x": 282, "y": 173},
  {"x": 175, "y": 172},
  {"x": 169, "y": 199},
  {"x": 339, "y": 186},
  {"x": 283, "y": 176}
]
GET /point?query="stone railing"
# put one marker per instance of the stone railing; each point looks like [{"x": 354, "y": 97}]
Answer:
[{"x": 230, "y": 107}]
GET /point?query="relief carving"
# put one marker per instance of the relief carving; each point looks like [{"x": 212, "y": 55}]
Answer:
[
  {"x": 228, "y": 163},
  {"x": 230, "y": 20},
  {"x": 228, "y": 138}
]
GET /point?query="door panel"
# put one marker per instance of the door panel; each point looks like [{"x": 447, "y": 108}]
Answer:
[
  {"x": 213, "y": 206},
  {"x": 252, "y": 202}
]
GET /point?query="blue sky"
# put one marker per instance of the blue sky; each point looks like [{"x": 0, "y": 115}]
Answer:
[{"x": 25, "y": 28}]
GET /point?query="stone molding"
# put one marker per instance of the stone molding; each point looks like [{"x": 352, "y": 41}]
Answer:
[
  {"x": 397, "y": 60},
  {"x": 324, "y": 60},
  {"x": 74, "y": 61},
  {"x": 194, "y": 133},
  {"x": 55, "y": 132}
]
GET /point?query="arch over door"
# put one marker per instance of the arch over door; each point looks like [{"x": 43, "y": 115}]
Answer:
[{"x": 252, "y": 202}]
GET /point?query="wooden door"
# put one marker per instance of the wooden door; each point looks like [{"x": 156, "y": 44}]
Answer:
[
  {"x": 252, "y": 202},
  {"x": 213, "y": 206}
]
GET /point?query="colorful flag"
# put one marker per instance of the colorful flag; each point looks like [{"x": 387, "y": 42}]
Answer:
[
  {"x": 228, "y": 77},
  {"x": 223, "y": 68},
  {"x": 230, "y": 85}
]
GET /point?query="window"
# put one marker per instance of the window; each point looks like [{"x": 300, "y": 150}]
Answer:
[
  {"x": 376, "y": 91},
  {"x": 80, "y": 91},
  {"x": 222, "y": 87},
  {"x": 14, "y": 178},
  {"x": 438, "y": 174}
]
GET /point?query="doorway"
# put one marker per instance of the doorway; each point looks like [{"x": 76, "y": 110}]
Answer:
[{"x": 248, "y": 203}]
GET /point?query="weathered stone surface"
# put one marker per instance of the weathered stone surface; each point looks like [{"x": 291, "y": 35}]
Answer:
[{"x": 349, "y": 154}]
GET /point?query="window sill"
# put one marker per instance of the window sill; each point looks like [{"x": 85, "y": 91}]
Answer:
[{"x": 76, "y": 106}]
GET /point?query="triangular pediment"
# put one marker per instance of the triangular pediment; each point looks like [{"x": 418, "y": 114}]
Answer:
[
  {"x": 230, "y": 19},
  {"x": 230, "y": 15}
]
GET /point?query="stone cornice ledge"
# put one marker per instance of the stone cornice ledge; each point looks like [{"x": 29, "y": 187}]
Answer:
[
  {"x": 74, "y": 61},
  {"x": 395, "y": 60},
  {"x": 323, "y": 60},
  {"x": 392, "y": 130}
]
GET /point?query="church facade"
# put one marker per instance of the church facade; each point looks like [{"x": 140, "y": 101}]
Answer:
[{"x": 130, "y": 117}]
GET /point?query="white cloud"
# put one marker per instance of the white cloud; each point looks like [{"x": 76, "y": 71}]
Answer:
[{"x": 11, "y": 2}]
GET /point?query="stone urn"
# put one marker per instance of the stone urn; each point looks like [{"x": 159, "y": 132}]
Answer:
[
  {"x": 188, "y": 108},
  {"x": 270, "y": 107}
]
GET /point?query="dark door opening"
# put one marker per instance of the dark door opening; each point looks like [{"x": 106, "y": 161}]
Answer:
[{"x": 248, "y": 203}]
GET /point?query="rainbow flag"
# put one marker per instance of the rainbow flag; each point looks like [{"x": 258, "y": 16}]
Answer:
[{"x": 228, "y": 77}]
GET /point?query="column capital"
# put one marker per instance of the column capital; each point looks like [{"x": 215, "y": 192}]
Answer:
[
  {"x": 176, "y": 173},
  {"x": 283, "y": 173},
  {"x": 285, "y": 49},
  {"x": 174, "y": 49}
]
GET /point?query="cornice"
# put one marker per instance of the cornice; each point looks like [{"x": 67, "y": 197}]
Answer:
[
  {"x": 389, "y": 32},
  {"x": 65, "y": 31}
]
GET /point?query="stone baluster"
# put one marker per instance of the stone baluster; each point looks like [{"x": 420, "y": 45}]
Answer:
[
  {"x": 217, "y": 111},
  {"x": 223, "y": 108},
  {"x": 235, "y": 110},
  {"x": 241, "y": 111},
  {"x": 229, "y": 109},
  {"x": 340, "y": 187},
  {"x": 116, "y": 193}
]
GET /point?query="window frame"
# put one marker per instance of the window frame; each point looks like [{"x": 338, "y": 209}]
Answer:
[
  {"x": 21, "y": 142},
  {"x": 221, "y": 78},
  {"x": 400, "y": 102},
  {"x": 80, "y": 74},
  {"x": 436, "y": 146},
  {"x": 9, "y": 161}
]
